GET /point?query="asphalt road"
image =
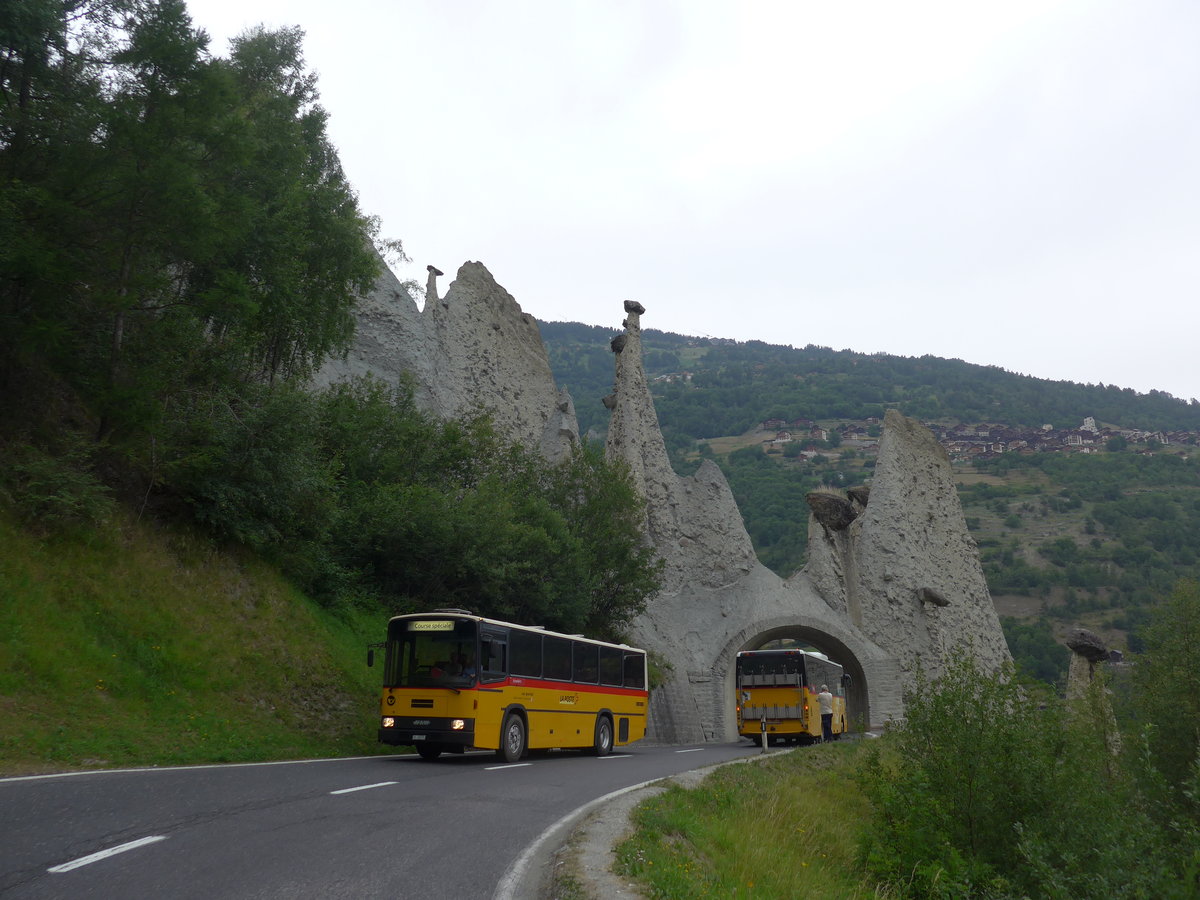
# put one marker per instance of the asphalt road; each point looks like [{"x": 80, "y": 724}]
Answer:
[{"x": 387, "y": 826}]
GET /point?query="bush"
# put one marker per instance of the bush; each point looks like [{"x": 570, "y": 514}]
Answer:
[
  {"x": 51, "y": 491},
  {"x": 991, "y": 789}
]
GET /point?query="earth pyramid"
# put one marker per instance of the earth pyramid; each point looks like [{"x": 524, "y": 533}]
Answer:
[{"x": 893, "y": 581}]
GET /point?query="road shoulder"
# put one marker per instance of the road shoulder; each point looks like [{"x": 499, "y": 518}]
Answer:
[{"x": 581, "y": 868}]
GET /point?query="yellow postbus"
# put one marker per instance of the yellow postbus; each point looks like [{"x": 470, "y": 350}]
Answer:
[
  {"x": 454, "y": 681},
  {"x": 777, "y": 695}
]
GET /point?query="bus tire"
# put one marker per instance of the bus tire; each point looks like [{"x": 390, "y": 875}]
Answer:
[
  {"x": 512, "y": 738},
  {"x": 602, "y": 743},
  {"x": 429, "y": 751}
]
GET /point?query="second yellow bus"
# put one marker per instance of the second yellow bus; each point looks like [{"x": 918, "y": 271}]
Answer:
[{"x": 777, "y": 695}]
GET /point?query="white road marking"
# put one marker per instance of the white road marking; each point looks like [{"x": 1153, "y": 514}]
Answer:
[
  {"x": 278, "y": 762},
  {"x": 509, "y": 766},
  {"x": 616, "y": 756},
  {"x": 513, "y": 878},
  {"x": 105, "y": 854},
  {"x": 692, "y": 750},
  {"x": 364, "y": 787}
]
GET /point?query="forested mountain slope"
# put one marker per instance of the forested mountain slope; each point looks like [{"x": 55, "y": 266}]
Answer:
[{"x": 730, "y": 386}]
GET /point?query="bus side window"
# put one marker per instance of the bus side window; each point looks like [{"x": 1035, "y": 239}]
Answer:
[
  {"x": 635, "y": 671},
  {"x": 611, "y": 666},
  {"x": 586, "y": 666},
  {"x": 525, "y": 654},
  {"x": 495, "y": 663},
  {"x": 557, "y": 656}
]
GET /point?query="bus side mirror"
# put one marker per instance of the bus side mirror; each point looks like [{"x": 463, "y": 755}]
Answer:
[
  {"x": 370, "y": 657},
  {"x": 846, "y": 679}
]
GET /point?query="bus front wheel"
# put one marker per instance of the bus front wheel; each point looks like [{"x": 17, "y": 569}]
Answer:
[
  {"x": 603, "y": 742},
  {"x": 512, "y": 738}
]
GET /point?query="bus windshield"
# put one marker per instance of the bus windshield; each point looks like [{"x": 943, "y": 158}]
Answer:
[
  {"x": 433, "y": 652},
  {"x": 767, "y": 663}
]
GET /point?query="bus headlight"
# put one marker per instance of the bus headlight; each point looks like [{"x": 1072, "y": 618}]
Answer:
[
  {"x": 457, "y": 725},
  {"x": 389, "y": 722}
]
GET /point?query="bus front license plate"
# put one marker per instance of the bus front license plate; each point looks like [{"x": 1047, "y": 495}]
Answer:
[{"x": 418, "y": 737}]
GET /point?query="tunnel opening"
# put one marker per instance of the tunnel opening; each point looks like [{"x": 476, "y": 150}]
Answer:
[{"x": 801, "y": 637}]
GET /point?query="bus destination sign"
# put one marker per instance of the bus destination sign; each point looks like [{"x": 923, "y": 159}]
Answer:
[{"x": 432, "y": 625}]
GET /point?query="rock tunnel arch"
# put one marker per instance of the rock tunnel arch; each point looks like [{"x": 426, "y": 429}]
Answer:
[{"x": 860, "y": 661}]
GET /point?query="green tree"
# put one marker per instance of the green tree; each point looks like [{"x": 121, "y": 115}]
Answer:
[
  {"x": 1167, "y": 694},
  {"x": 1035, "y": 651},
  {"x": 302, "y": 247},
  {"x": 177, "y": 223},
  {"x": 605, "y": 514}
]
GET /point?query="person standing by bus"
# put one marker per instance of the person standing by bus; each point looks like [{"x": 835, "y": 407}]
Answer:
[{"x": 825, "y": 699}]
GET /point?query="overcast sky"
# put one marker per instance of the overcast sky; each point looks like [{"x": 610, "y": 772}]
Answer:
[{"x": 1008, "y": 183}]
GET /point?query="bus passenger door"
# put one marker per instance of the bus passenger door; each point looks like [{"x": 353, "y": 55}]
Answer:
[{"x": 493, "y": 670}]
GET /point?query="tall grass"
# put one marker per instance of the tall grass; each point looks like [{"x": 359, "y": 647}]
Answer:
[
  {"x": 129, "y": 646},
  {"x": 785, "y": 825}
]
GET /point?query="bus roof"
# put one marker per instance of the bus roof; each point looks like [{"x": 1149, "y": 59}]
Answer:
[
  {"x": 540, "y": 629},
  {"x": 815, "y": 654}
]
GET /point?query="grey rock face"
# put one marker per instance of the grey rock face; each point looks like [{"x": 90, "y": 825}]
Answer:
[
  {"x": 907, "y": 569},
  {"x": 471, "y": 349},
  {"x": 693, "y": 522},
  {"x": 389, "y": 342}
]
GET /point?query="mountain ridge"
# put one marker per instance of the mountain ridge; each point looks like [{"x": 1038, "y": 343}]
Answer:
[{"x": 757, "y": 381}]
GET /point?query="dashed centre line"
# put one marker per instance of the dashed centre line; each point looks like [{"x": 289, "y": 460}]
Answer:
[
  {"x": 105, "y": 854},
  {"x": 364, "y": 787}
]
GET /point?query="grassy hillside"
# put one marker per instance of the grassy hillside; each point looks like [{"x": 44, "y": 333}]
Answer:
[{"x": 136, "y": 646}]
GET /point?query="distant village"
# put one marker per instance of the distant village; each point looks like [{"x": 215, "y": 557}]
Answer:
[{"x": 965, "y": 442}]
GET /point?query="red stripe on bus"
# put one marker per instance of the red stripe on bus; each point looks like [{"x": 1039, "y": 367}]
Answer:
[{"x": 521, "y": 681}]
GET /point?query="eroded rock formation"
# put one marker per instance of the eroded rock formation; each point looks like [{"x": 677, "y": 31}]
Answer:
[
  {"x": 893, "y": 581},
  {"x": 693, "y": 522},
  {"x": 906, "y": 570},
  {"x": 472, "y": 348},
  {"x": 1086, "y": 690}
]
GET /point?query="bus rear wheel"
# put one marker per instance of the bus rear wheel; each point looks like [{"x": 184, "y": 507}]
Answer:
[
  {"x": 603, "y": 741},
  {"x": 429, "y": 751},
  {"x": 512, "y": 738}
]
